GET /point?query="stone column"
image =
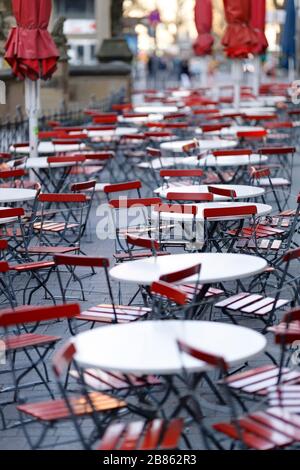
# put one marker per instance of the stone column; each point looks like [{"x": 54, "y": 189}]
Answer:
[{"x": 102, "y": 14}]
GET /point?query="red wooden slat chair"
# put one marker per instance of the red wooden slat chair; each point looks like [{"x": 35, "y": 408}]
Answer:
[
  {"x": 124, "y": 188},
  {"x": 140, "y": 247},
  {"x": 131, "y": 217},
  {"x": 226, "y": 176},
  {"x": 100, "y": 314},
  {"x": 168, "y": 234},
  {"x": 27, "y": 353},
  {"x": 95, "y": 406},
  {"x": 12, "y": 178},
  {"x": 284, "y": 158},
  {"x": 215, "y": 218},
  {"x": 272, "y": 236},
  {"x": 266, "y": 308},
  {"x": 153, "y": 435},
  {"x": 195, "y": 292},
  {"x": 278, "y": 187},
  {"x": 176, "y": 178},
  {"x": 270, "y": 429},
  {"x": 252, "y": 137}
]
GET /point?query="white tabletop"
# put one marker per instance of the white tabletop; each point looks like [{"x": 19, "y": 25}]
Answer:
[
  {"x": 262, "y": 210},
  {"x": 231, "y": 131},
  {"x": 242, "y": 192},
  {"x": 249, "y": 110},
  {"x": 177, "y": 146},
  {"x": 155, "y": 109},
  {"x": 9, "y": 195},
  {"x": 144, "y": 348},
  {"x": 230, "y": 161},
  {"x": 141, "y": 119},
  {"x": 118, "y": 132},
  {"x": 47, "y": 148},
  {"x": 42, "y": 163},
  {"x": 209, "y": 161},
  {"x": 215, "y": 267}
]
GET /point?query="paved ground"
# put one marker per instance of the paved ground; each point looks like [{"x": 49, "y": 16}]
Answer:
[{"x": 14, "y": 438}]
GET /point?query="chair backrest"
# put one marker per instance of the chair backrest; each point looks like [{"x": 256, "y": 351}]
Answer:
[
  {"x": 84, "y": 186},
  {"x": 66, "y": 159},
  {"x": 213, "y": 127},
  {"x": 193, "y": 173},
  {"x": 229, "y": 212},
  {"x": 83, "y": 261},
  {"x": 28, "y": 314},
  {"x": 257, "y": 174},
  {"x": 210, "y": 359},
  {"x": 105, "y": 119},
  {"x": 222, "y": 192},
  {"x": 11, "y": 213},
  {"x": 162, "y": 289},
  {"x": 151, "y": 152},
  {"x": 276, "y": 150},
  {"x": 182, "y": 274},
  {"x": 62, "y": 198},
  {"x": 232, "y": 153},
  {"x": 122, "y": 187},
  {"x": 260, "y": 134},
  {"x": 291, "y": 255},
  {"x": 147, "y": 243},
  {"x": 193, "y": 197},
  {"x": 188, "y": 148},
  {"x": 12, "y": 174}
]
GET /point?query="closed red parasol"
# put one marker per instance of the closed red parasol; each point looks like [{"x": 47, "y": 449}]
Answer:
[
  {"x": 30, "y": 49},
  {"x": 203, "y": 19},
  {"x": 240, "y": 38},
  {"x": 258, "y": 23}
]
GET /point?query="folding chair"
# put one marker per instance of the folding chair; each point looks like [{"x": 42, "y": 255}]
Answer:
[
  {"x": 266, "y": 307},
  {"x": 98, "y": 407},
  {"x": 100, "y": 314},
  {"x": 262, "y": 177},
  {"x": 35, "y": 346},
  {"x": 181, "y": 177},
  {"x": 269, "y": 429}
]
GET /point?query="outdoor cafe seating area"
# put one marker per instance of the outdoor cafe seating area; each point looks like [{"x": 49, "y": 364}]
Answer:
[{"x": 149, "y": 275}]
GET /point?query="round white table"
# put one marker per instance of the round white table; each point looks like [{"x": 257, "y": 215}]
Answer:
[
  {"x": 177, "y": 146},
  {"x": 242, "y": 192},
  {"x": 231, "y": 131},
  {"x": 11, "y": 195},
  {"x": 118, "y": 132},
  {"x": 145, "y": 348},
  {"x": 140, "y": 120},
  {"x": 41, "y": 163},
  {"x": 248, "y": 111},
  {"x": 215, "y": 268},
  {"x": 155, "y": 109},
  {"x": 262, "y": 210},
  {"x": 48, "y": 148},
  {"x": 206, "y": 162}
]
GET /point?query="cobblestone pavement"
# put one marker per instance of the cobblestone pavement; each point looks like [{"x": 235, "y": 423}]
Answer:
[{"x": 14, "y": 438}]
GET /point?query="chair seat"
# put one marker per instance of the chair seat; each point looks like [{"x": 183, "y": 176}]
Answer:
[
  {"x": 29, "y": 340},
  {"x": 285, "y": 396},
  {"x": 34, "y": 266},
  {"x": 259, "y": 231},
  {"x": 275, "y": 182},
  {"x": 264, "y": 430},
  {"x": 51, "y": 250},
  {"x": 261, "y": 244},
  {"x": 53, "y": 227},
  {"x": 252, "y": 304},
  {"x": 110, "y": 381},
  {"x": 86, "y": 170},
  {"x": 189, "y": 289},
  {"x": 105, "y": 314},
  {"x": 55, "y": 410},
  {"x": 154, "y": 435},
  {"x": 138, "y": 255},
  {"x": 258, "y": 381}
]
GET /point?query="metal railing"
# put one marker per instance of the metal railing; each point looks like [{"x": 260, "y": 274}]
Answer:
[{"x": 17, "y": 130}]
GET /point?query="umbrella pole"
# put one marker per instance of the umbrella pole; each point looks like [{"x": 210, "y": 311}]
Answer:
[
  {"x": 291, "y": 70},
  {"x": 256, "y": 75},
  {"x": 204, "y": 69},
  {"x": 32, "y": 102},
  {"x": 237, "y": 80}
]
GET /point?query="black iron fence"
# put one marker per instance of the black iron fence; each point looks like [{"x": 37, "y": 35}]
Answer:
[{"x": 17, "y": 129}]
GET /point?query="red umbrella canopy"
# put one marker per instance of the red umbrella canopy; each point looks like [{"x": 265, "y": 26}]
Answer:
[
  {"x": 258, "y": 23},
  {"x": 203, "y": 19},
  {"x": 30, "y": 49},
  {"x": 240, "y": 39}
]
